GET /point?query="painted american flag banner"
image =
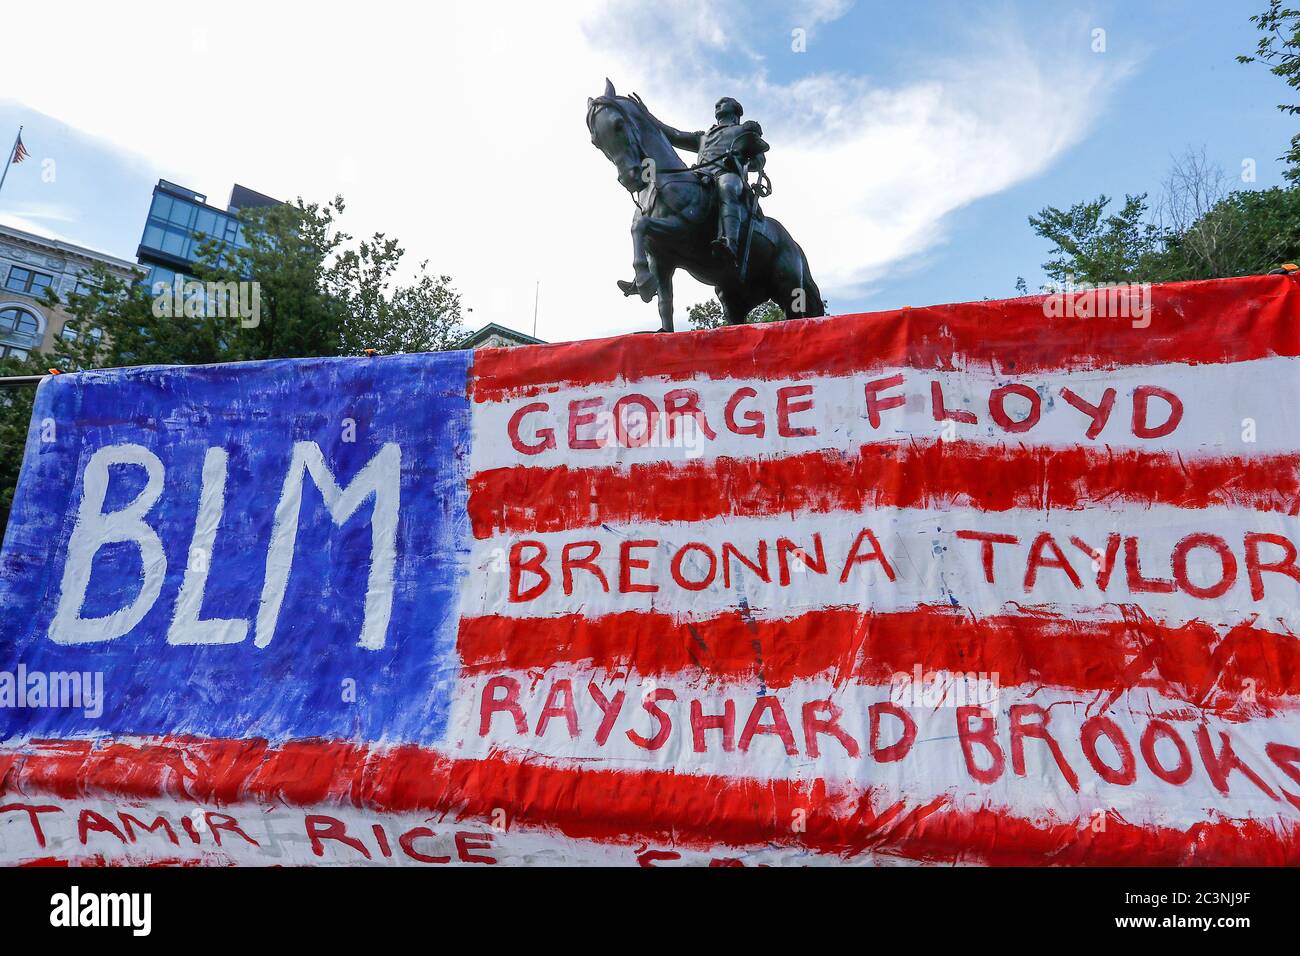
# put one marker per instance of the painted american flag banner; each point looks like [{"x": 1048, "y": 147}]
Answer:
[{"x": 1006, "y": 582}]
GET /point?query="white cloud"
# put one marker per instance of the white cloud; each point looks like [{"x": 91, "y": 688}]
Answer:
[
  {"x": 813, "y": 13},
  {"x": 866, "y": 173},
  {"x": 36, "y": 227},
  {"x": 36, "y": 217},
  {"x": 459, "y": 128}
]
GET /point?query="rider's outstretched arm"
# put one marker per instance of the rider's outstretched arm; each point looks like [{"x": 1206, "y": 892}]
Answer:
[{"x": 679, "y": 138}]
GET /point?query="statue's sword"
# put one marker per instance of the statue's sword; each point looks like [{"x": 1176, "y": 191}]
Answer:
[
  {"x": 749, "y": 219},
  {"x": 749, "y": 230}
]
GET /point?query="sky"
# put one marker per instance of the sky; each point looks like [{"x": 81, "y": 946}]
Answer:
[{"x": 910, "y": 140}]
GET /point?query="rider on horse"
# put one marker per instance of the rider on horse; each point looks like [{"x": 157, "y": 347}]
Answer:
[
  {"x": 728, "y": 150},
  {"x": 678, "y": 214}
]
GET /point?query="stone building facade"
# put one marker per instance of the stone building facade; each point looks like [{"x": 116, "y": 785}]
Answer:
[{"x": 30, "y": 264}]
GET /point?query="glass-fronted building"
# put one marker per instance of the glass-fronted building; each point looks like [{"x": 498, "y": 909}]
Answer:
[{"x": 180, "y": 221}]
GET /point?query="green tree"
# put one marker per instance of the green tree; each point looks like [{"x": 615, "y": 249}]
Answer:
[
  {"x": 85, "y": 351},
  {"x": 288, "y": 259},
  {"x": 1199, "y": 229},
  {"x": 1269, "y": 230},
  {"x": 15, "y": 415},
  {"x": 1245, "y": 232},
  {"x": 708, "y": 314},
  {"x": 1090, "y": 246},
  {"x": 424, "y": 316},
  {"x": 293, "y": 254},
  {"x": 1280, "y": 48}
]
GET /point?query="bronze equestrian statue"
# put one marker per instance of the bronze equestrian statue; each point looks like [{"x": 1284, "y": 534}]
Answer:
[{"x": 703, "y": 218}]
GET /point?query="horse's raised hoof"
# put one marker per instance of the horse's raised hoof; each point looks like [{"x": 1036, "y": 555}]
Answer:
[{"x": 627, "y": 288}]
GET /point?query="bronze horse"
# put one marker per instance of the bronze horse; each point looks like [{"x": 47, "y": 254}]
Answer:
[{"x": 675, "y": 224}]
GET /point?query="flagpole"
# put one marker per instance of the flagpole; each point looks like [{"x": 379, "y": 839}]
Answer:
[{"x": 13, "y": 151}]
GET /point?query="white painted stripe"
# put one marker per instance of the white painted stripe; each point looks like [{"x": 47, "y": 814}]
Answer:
[
  {"x": 1234, "y": 410},
  {"x": 282, "y": 838},
  {"x": 931, "y": 566},
  {"x": 935, "y": 766}
]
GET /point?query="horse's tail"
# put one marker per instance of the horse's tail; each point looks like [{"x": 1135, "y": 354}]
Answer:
[
  {"x": 791, "y": 281},
  {"x": 816, "y": 304},
  {"x": 814, "y": 307}
]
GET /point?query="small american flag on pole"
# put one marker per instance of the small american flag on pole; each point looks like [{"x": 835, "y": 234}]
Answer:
[{"x": 20, "y": 151}]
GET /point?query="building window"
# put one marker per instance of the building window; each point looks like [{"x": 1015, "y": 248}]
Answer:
[
  {"x": 174, "y": 241},
  {"x": 206, "y": 223},
  {"x": 178, "y": 228},
  {"x": 160, "y": 274},
  {"x": 71, "y": 332},
  {"x": 162, "y": 205},
  {"x": 182, "y": 214},
  {"x": 27, "y": 282},
  {"x": 15, "y": 319},
  {"x": 14, "y": 352},
  {"x": 85, "y": 283}
]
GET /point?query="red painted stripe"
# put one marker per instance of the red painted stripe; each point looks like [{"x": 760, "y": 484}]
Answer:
[
  {"x": 912, "y": 475},
  {"x": 1225, "y": 320},
  {"x": 1192, "y": 662},
  {"x": 626, "y": 807}
]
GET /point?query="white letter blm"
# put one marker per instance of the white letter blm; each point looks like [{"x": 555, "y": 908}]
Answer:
[{"x": 95, "y": 528}]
